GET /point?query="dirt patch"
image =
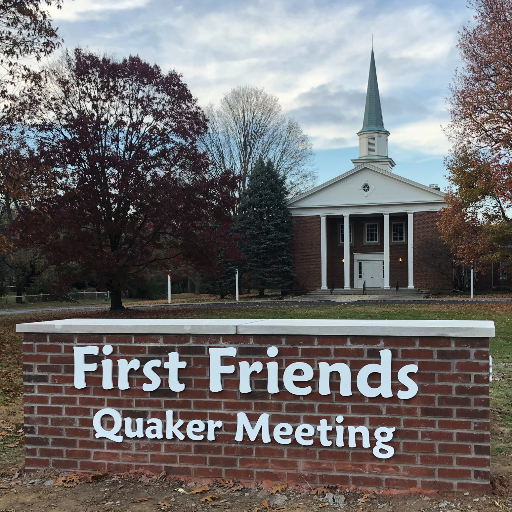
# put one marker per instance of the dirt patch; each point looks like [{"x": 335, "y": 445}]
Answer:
[{"x": 142, "y": 491}]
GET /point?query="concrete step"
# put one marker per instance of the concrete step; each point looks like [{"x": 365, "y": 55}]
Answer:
[{"x": 369, "y": 291}]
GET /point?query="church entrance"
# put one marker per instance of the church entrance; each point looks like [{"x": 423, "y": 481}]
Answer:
[{"x": 369, "y": 269}]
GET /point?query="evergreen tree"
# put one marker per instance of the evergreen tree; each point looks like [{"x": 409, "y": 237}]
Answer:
[{"x": 265, "y": 224}]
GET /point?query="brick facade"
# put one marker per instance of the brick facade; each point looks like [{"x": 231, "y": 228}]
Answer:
[
  {"x": 306, "y": 251},
  {"x": 425, "y": 273},
  {"x": 441, "y": 439}
]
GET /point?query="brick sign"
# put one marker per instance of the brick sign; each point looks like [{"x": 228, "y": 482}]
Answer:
[{"x": 374, "y": 404}]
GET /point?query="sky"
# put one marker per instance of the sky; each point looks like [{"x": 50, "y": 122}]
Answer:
[{"x": 314, "y": 55}]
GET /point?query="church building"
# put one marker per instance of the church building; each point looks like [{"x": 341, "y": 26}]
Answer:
[{"x": 369, "y": 226}]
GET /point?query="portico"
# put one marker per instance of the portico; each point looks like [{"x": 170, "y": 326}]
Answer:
[{"x": 367, "y": 253}]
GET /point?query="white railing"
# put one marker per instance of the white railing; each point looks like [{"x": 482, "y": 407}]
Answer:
[{"x": 49, "y": 297}]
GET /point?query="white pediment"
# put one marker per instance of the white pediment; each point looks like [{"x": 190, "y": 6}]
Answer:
[{"x": 367, "y": 185}]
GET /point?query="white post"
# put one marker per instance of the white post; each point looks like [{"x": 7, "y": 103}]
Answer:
[
  {"x": 236, "y": 284},
  {"x": 346, "y": 251},
  {"x": 386, "y": 251},
  {"x": 471, "y": 281},
  {"x": 323, "y": 250},
  {"x": 169, "y": 289},
  {"x": 410, "y": 249}
]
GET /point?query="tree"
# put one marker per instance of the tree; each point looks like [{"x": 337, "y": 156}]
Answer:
[
  {"x": 248, "y": 125},
  {"x": 477, "y": 221},
  {"x": 25, "y": 32},
  {"x": 23, "y": 181},
  {"x": 265, "y": 224},
  {"x": 133, "y": 190}
]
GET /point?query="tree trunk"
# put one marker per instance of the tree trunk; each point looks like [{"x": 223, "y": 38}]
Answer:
[
  {"x": 116, "y": 302},
  {"x": 262, "y": 292},
  {"x": 19, "y": 293}
]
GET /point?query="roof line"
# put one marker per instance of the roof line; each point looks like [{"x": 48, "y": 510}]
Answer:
[{"x": 359, "y": 168}]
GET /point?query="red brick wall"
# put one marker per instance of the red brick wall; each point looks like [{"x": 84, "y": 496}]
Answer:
[
  {"x": 425, "y": 231},
  {"x": 441, "y": 439},
  {"x": 306, "y": 251}
]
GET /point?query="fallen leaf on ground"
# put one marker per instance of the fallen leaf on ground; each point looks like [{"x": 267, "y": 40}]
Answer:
[
  {"x": 98, "y": 476},
  {"x": 164, "y": 504},
  {"x": 227, "y": 484},
  {"x": 210, "y": 498},
  {"x": 364, "y": 499},
  {"x": 201, "y": 488},
  {"x": 265, "y": 504},
  {"x": 319, "y": 490},
  {"x": 140, "y": 500},
  {"x": 322, "y": 505},
  {"x": 278, "y": 488},
  {"x": 238, "y": 487},
  {"x": 67, "y": 481}
]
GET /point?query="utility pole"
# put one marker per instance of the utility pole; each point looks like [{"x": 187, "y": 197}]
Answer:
[
  {"x": 169, "y": 289},
  {"x": 236, "y": 284}
]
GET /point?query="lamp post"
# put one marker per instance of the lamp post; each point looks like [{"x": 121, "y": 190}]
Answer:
[
  {"x": 236, "y": 284},
  {"x": 169, "y": 297}
]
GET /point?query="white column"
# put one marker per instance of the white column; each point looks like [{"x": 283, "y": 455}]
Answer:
[
  {"x": 323, "y": 250},
  {"x": 386, "y": 251},
  {"x": 169, "y": 297},
  {"x": 410, "y": 249},
  {"x": 346, "y": 251}
]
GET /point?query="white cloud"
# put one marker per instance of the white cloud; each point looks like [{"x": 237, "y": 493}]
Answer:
[
  {"x": 425, "y": 136},
  {"x": 93, "y": 9}
]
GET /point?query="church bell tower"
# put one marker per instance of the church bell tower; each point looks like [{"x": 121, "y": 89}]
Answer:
[{"x": 373, "y": 137}]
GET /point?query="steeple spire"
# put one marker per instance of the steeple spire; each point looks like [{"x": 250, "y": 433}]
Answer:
[
  {"x": 372, "y": 112},
  {"x": 373, "y": 137}
]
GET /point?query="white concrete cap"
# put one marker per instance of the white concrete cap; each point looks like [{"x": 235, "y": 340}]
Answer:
[{"x": 309, "y": 327}]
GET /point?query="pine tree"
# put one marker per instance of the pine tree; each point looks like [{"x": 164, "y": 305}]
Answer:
[{"x": 265, "y": 224}]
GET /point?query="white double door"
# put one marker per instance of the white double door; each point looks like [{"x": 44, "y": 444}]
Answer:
[{"x": 371, "y": 272}]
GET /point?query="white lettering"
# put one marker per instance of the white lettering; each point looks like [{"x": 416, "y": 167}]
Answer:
[
  {"x": 80, "y": 366},
  {"x": 245, "y": 374},
  {"x": 216, "y": 368},
  {"x": 174, "y": 364},
  {"x": 289, "y": 378},
  {"x": 303, "y": 431},
  {"x": 109, "y": 434},
  {"x": 243, "y": 423},
  {"x": 403, "y": 377},
  {"x": 171, "y": 428},
  {"x": 324, "y": 385},
  {"x": 384, "y": 368},
  {"x": 194, "y": 427},
  {"x": 123, "y": 368},
  {"x": 152, "y": 375}
]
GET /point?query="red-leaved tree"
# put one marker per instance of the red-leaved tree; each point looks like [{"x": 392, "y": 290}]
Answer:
[
  {"x": 477, "y": 221},
  {"x": 133, "y": 188}
]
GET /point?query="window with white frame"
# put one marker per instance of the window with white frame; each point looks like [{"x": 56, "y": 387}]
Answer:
[
  {"x": 371, "y": 233},
  {"x": 342, "y": 233},
  {"x": 398, "y": 232}
]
